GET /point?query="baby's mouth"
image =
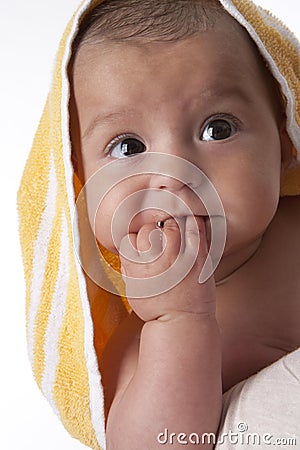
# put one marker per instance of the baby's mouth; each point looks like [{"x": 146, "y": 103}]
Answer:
[{"x": 160, "y": 224}]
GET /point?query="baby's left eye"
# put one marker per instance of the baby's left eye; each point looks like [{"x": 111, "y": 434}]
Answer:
[{"x": 217, "y": 130}]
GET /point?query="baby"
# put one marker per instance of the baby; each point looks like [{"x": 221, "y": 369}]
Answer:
[
  {"x": 174, "y": 99},
  {"x": 185, "y": 79}
]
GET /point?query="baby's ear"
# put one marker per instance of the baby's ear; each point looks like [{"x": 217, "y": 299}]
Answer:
[{"x": 286, "y": 145}]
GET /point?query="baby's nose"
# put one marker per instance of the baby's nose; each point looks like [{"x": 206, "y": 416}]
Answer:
[
  {"x": 160, "y": 181},
  {"x": 173, "y": 174}
]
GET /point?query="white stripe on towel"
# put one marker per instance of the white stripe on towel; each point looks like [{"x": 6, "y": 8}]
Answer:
[
  {"x": 58, "y": 307},
  {"x": 96, "y": 392},
  {"x": 40, "y": 254}
]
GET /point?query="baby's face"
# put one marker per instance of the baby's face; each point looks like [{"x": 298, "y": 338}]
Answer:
[{"x": 203, "y": 99}]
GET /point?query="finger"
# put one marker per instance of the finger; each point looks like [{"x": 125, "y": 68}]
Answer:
[
  {"x": 173, "y": 237},
  {"x": 149, "y": 242},
  {"x": 195, "y": 235},
  {"x": 143, "y": 237},
  {"x": 128, "y": 249},
  {"x": 197, "y": 241}
]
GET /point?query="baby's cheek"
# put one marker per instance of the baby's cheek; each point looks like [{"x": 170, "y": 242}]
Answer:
[{"x": 103, "y": 232}]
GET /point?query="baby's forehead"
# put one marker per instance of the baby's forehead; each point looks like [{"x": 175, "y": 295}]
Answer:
[{"x": 230, "y": 31}]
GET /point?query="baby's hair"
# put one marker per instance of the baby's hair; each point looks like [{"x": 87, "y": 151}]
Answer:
[{"x": 147, "y": 20}]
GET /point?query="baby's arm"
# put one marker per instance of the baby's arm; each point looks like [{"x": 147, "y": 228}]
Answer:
[{"x": 176, "y": 380}]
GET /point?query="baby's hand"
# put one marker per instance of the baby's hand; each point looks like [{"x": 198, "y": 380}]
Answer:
[{"x": 186, "y": 294}]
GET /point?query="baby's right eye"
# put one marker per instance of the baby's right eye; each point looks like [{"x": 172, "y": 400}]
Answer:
[{"x": 126, "y": 147}]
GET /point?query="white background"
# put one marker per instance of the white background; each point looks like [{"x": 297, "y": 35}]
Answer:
[{"x": 29, "y": 35}]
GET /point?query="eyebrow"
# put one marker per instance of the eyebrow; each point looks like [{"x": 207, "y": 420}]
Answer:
[
  {"x": 217, "y": 92},
  {"x": 229, "y": 92},
  {"x": 105, "y": 119}
]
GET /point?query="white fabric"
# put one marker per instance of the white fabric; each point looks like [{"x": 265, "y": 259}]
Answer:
[{"x": 266, "y": 404}]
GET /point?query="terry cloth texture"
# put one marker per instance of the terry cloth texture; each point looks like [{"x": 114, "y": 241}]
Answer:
[{"x": 62, "y": 322}]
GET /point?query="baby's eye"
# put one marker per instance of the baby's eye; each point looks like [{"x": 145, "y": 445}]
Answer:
[
  {"x": 217, "y": 130},
  {"x": 127, "y": 147}
]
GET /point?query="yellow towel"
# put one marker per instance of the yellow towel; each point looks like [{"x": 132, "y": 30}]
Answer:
[{"x": 62, "y": 324}]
